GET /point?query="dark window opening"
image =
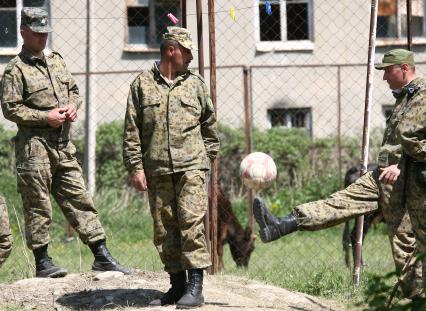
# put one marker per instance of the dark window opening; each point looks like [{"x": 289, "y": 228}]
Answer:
[
  {"x": 7, "y": 3},
  {"x": 291, "y": 118},
  {"x": 270, "y": 25},
  {"x": 297, "y": 21},
  {"x": 34, "y": 3},
  {"x": 137, "y": 16}
]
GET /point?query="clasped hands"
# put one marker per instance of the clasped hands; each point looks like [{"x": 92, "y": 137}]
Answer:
[{"x": 58, "y": 116}]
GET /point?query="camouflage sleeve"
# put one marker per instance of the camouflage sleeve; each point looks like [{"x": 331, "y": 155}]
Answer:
[
  {"x": 412, "y": 129},
  {"x": 132, "y": 151},
  {"x": 209, "y": 124},
  {"x": 74, "y": 94},
  {"x": 12, "y": 102}
]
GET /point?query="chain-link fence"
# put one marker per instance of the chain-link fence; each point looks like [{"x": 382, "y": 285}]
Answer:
[{"x": 298, "y": 66}]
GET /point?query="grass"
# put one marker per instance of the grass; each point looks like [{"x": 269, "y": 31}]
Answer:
[
  {"x": 313, "y": 263},
  {"x": 309, "y": 262}
]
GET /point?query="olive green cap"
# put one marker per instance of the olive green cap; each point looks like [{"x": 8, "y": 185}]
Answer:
[
  {"x": 35, "y": 19},
  {"x": 396, "y": 57},
  {"x": 181, "y": 35}
]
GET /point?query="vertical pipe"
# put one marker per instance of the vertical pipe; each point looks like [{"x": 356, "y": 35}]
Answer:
[
  {"x": 201, "y": 71},
  {"x": 183, "y": 12},
  {"x": 409, "y": 28},
  {"x": 214, "y": 173},
  {"x": 339, "y": 123},
  {"x": 366, "y": 134},
  {"x": 90, "y": 120},
  {"x": 200, "y": 38},
  {"x": 247, "y": 138}
]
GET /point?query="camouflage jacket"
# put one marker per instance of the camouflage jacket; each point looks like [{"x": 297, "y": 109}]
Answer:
[
  {"x": 31, "y": 87},
  {"x": 391, "y": 150},
  {"x": 169, "y": 128},
  {"x": 412, "y": 127}
]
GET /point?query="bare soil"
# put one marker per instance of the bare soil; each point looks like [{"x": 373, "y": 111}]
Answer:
[{"x": 115, "y": 291}]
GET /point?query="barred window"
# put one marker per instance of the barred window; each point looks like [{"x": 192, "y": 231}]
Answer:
[
  {"x": 147, "y": 20},
  {"x": 291, "y": 118},
  {"x": 10, "y": 16},
  {"x": 392, "y": 19}
]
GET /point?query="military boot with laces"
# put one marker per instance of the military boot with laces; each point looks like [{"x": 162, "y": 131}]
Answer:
[
  {"x": 193, "y": 296},
  {"x": 45, "y": 268},
  {"x": 178, "y": 282},
  {"x": 104, "y": 260},
  {"x": 271, "y": 227}
]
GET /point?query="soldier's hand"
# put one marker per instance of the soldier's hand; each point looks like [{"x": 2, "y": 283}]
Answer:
[
  {"x": 56, "y": 117},
  {"x": 389, "y": 174},
  {"x": 139, "y": 181},
  {"x": 71, "y": 112}
]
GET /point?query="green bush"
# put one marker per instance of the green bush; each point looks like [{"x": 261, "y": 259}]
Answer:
[
  {"x": 110, "y": 171},
  {"x": 6, "y": 149}
]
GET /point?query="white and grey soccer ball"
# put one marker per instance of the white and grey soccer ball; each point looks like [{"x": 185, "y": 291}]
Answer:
[{"x": 258, "y": 170}]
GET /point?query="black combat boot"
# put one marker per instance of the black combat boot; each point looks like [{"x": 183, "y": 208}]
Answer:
[
  {"x": 104, "y": 260},
  {"x": 193, "y": 296},
  {"x": 178, "y": 282},
  {"x": 271, "y": 227},
  {"x": 44, "y": 265}
]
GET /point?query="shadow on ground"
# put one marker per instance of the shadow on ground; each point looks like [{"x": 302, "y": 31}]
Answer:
[{"x": 108, "y": 298}]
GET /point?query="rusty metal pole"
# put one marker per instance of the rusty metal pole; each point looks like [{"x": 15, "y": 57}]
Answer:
[
  {"x": 200, "y": 39},
  {"x": 214, "y": 173},
  {"x": 339, "y": 123},
  {"x": 409, "y": 28},
  {"x": 247, "y": 137},
  {"x": 366, "y": 133},
  {"x": 183, "y": 13}
]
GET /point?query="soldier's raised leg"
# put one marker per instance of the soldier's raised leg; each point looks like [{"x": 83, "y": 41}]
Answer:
[{"x": 358, "y": 199}]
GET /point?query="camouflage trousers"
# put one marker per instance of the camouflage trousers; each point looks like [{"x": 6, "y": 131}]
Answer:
[
  {"x": 178, "y": 203},
  {"x": 367, "y": 194},
  {"x": 5, "y": 234},
  {"x": 416, "y": 206},
  {"x": 45, "y": 168}
]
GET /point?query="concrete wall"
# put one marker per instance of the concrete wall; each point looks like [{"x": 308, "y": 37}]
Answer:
[{"x": 340, "y": 37}]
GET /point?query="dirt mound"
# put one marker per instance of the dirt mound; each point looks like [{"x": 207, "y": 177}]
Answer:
[{"x": 115, "y": 291}]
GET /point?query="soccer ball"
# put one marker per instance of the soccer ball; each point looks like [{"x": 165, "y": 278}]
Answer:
[{"x": 258, "y": 170}]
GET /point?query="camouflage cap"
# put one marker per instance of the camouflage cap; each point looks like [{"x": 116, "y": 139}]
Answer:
[
  {"x": 36, "y": 19},
  {"x": 396, "y": 57},
  {"x": 181, "y": 35}
]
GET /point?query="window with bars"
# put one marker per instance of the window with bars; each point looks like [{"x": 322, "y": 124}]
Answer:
[
  {"x": 291, "y": 118},
  {"x": 10, "y": 16},
  {"x": 392, "y": 18},
  {"x": 147, "y": 20},
  {"x": 285, "y": 21}
]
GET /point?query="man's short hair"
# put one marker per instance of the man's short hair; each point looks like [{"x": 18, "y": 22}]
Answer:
[{"x": 166, "y": 43}]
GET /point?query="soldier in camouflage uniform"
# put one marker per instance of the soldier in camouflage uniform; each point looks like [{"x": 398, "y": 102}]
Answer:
[
  {"x": 170, "y": 136},
  {"x": 381, "y": 186},
  {"x": 5, "y": 234},
  {"x": 411, "y": 131},
  {"x": 41, "y": 97}
]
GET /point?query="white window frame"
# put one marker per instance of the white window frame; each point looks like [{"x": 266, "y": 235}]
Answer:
[
  {"x": 143, "y": 47},
  {"x": 17, "y": 49},
  {"x": 399, "y": 39},
  {"x": 284, "y": 44}
]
